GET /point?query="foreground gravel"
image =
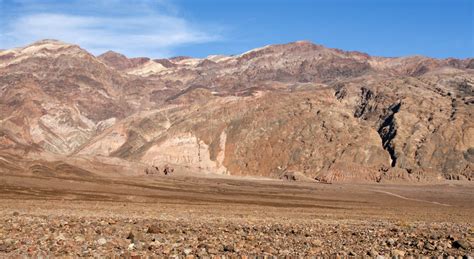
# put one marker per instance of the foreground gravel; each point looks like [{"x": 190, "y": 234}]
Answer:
[
  {"x": 190, "y": 217},
  {"x": 34, "y": 235}
]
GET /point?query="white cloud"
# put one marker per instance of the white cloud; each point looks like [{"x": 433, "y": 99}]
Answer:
[{"x": 144, "y": 31}]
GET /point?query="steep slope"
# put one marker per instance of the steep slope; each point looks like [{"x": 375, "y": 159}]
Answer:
[
  {"x": 121, "y": 62},
  {"x": 331, "y": 115},
  {"x": 56, "y": 96}
]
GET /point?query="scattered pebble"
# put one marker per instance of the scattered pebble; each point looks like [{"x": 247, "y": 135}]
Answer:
[{"x": 59, "y": 236}]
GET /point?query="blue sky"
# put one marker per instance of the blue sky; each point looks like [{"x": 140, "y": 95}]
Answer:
[{"x": 164, "y": 28}]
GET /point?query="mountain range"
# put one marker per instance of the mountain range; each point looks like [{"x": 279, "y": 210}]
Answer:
[{"x": 299, "y": 109}]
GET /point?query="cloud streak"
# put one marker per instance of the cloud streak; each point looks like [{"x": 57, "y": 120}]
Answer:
[{"x": 144, "y": 31}]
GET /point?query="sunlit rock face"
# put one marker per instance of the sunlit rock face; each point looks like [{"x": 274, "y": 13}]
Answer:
[{"x": 327, "y": 114}]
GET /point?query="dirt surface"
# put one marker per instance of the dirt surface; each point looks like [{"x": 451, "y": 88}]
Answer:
[{"x": 181, "y": 215}]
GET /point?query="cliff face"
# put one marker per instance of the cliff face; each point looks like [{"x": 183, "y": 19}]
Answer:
[{"x": 329, "y": 114}]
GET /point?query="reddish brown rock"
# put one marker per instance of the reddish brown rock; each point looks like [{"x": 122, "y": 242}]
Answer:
[{"x": 329, "y": 114}]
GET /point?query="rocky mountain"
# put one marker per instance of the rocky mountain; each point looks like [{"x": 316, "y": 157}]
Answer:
[{"x": 299, "y": 108}]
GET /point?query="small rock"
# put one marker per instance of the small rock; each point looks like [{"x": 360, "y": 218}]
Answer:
[
  {"x": 79, "y": 239},
  {"x": 154, "y": 245},
  {"x": 352, "y": 253},
  {"x": 202, "y": 245},
  {"x": 3, "y": 248},
  {"x": 212, "y": 251},
  {"x": 461, "y": 244},
  {"x": 229, "y": 248},
  {"x": 166, "y": 250},
  {"x": 153, "y": 229},
  {"x": 372, "y": 253},
  {"x": 101, "y": 241},
  {"x": 420, "y": 244},
  {"x": 60, "y": 237},
  {"x": 429, "y": 246},
  {"x": 312, "y": 250},
  {"x": 397, "y": 253},
  {"x": 316, "y": 242},
  {"x": 131, "y": 246},
  {"x": 391, "y": 241},
  {"x": 16, "y": 213},
  {"x": 187, "y": 251},
  {"x": 270, "y": 250},
  {"x": 139, "y": 245}
]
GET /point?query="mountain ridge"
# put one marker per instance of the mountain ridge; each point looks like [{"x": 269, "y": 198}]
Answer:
[{"x": 329, "y": 114}]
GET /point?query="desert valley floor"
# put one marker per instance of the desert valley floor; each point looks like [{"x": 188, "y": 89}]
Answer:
[{"x": 189, "y": 216}]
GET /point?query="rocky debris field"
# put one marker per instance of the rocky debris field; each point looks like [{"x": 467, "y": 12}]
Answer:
[
  {"x": 171, "y": 216},
  {"x": 23, "y": 234}
]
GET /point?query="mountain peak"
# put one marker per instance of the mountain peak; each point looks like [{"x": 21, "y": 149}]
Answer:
[
  {"x": 111, "y": 53},
  {"x": 49, "y": 44},
  {"x": 302, "y": 42},
  {"x": 42, "y": 48},
  {"x": 51, "y": 47},
  {"x": 49, "y": 41},
  {"x": 120, "y": 61}
]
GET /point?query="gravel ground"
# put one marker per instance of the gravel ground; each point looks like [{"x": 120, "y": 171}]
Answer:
[
  {"x": 191, "y": 217},
  {"x": 184, "y": 236}
]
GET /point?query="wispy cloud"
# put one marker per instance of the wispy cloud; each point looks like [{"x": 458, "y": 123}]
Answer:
[{"x": 136, "y": 28}]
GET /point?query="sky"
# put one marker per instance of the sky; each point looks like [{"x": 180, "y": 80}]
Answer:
[{"x": 166, "y": 28}]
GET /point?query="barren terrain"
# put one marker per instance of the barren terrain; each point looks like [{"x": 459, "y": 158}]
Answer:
[
  {"x": 298, "y": 108},
  {"x": 205, "y": 216},
  {"x": 290, "y": 149}
]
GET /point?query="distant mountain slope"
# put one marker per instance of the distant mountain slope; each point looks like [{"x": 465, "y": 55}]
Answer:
[{"x": 329, "y": 114}]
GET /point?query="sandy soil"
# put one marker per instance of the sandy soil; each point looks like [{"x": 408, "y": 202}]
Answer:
[{"x": 191, "y": 216}]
